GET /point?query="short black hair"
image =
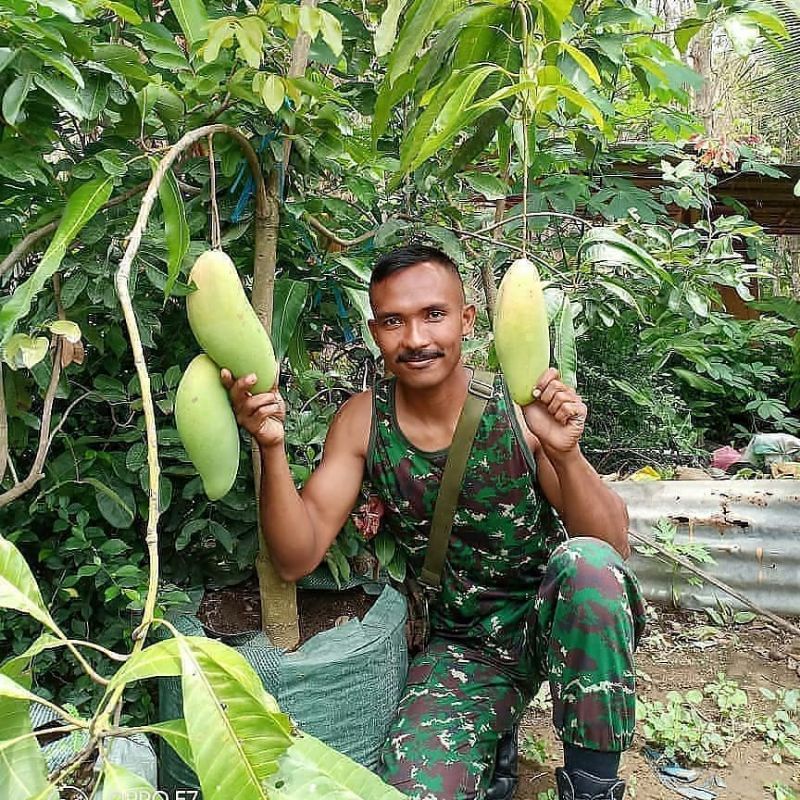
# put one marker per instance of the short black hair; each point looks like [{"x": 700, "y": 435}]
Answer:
[{"x": 408, "y": 256}]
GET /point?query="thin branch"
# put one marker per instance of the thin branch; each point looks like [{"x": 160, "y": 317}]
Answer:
[
  {"x": 686, "y": 564},
  {"x": 328, "y": 233},
  {"x": 26, "y": 245},
  {"x": 36, "y": 474},
  {"x": 530, "y": 215},
  {"x": 123, "y": 292},
  {"x": 100, "y": 649},
  {"x": 297, "y": 68},
  {"x": 6, "y": 743},
  {"x": 3, "y": 428}
]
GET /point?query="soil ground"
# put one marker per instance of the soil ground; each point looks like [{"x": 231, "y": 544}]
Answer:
[{"x": 681, "y": 651}]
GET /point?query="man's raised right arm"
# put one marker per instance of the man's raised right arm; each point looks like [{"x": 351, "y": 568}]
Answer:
[{"x": 300, "y": 527}]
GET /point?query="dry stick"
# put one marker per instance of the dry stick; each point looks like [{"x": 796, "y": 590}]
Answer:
[
  {"x": 22, "y": 249},
  {"x": 36, "y": 474},
  {"x": 123, "y": 292},
  {"x": 686, "y": 564},
  {"x": 216, "y": 235}
]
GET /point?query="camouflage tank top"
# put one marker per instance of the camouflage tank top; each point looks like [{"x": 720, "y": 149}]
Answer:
[{"x": 503, "y": 530}]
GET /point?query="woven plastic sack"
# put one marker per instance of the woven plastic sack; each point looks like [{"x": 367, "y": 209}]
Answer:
[{"x": 342, "y": 686}]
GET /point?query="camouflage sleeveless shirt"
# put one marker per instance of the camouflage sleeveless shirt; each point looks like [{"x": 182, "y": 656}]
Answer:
[{"x": 504, "y": 529}]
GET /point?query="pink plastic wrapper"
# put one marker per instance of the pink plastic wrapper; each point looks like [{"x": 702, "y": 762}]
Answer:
[{"x": 723, "y": 457}]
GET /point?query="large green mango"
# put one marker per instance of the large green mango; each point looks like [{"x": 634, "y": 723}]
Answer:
[
  {"x": 207, "y": 426},
  {"x": 521, "y": 333},
  {"x": 224, "y": 323}
]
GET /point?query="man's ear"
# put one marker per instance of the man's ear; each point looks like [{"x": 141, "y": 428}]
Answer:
[{"x": 468, "y": 314}]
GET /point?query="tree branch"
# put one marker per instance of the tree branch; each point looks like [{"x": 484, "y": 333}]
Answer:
[
  {"x": 36, "y": 474},
  {"x": 26, "y": 245},
  {"x": 3, "y": 428},
  {"x": 327, "y": 232}
]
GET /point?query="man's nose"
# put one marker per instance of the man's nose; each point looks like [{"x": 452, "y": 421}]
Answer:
[{"x": 416, "y": 337}]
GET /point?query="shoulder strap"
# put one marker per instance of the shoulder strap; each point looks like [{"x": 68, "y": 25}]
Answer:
[{"x": 481, "y": 388}]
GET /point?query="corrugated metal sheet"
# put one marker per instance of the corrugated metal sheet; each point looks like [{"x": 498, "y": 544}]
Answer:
[{"x": 750, "y": 528}]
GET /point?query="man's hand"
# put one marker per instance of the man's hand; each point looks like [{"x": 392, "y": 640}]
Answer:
[
  {"x": 557, "y": 416},
  {"x": 261, "y": 415}
]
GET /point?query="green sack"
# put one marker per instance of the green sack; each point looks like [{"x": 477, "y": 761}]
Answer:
[{"x": 342, "y": 686}]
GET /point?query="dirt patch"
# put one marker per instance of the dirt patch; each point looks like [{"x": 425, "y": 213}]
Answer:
[
  {"x": 228, "y": 611},
  {"x": 682, "y": 652}
]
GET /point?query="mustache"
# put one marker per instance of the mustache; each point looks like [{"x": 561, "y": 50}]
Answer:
[{"x": 419, "y": 355}]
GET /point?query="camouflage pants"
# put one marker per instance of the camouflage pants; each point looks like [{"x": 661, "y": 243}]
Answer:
[{"x": 580, "y": 635}]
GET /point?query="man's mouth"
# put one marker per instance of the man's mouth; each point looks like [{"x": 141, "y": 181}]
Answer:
[{"x": 415, "y": 360}]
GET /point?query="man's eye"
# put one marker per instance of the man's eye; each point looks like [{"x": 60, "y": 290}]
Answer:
[
  {"x": 436, "y": 314},
  {"x": 391, "y": 322}
]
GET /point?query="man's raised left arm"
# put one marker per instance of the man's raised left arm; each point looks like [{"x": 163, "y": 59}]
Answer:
[{"x": 588, "y": 507}]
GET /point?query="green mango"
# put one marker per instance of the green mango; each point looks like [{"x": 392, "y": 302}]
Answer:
[
  {"x": 207, "y": 426},
  {"x": 224, "y": 323}
]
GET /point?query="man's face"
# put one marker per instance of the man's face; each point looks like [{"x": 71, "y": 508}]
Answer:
[{"x": 420, "y": 319}]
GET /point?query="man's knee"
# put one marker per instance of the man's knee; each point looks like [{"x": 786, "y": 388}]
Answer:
[{"x": 585, "y": 562}]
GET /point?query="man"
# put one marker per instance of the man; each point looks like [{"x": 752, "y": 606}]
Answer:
[{"x": 518, "y": 604}]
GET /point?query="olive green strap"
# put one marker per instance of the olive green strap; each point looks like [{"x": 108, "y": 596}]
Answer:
[{"x": 481, "y": 388}]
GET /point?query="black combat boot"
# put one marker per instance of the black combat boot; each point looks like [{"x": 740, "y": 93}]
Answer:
[
  {"x": 504, "y": 780},
  {"x": 588, "y": 787}
]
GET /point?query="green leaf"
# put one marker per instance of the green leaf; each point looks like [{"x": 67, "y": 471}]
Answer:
[
  {"x": 387, "y": 28},
  {"x": 14, "y": 97},
  {"x": 250, "y": 34},
  {"x": 82, "y": 205},
  {"x": 119, "y": 783},
  {"x": 419, "y": 22},
  {"x": 125, "y": 13},
  {"x": 685, "y": 32},
  {"x": 273, "y": 93},
  {"x": 559, "y": 10},
  {"x": 160, "y": 660},
  {"x": 564, "y": 348},
  {"x": 289, "y": 298},
  {"x": 64, "y": 8},
  {"x": 61, "y": 63},
  {"x": 16, "y": 666},
  {"x": 583, "y": 61},
  {"x": 491, "y": 187},
  {"x": 310, "y": 770},
  {"x": 222, "y": 535},
  {"x": 18, "y": 587},
  {"x": 742, "y": 32},
  {"x": 385, "y": 547},
  {"x": 7, "y": 55},
  {"x": 122, "y": 59},
  {"x": 176, "y": 228},
  {"x": 622, "y": 293},
  {"x": 236, "y": 731},
  {"x": 331, "y": 32},
  {"x": 23, "y": 770},
  {"x": 65, "y": 93},
  {"x": 192, "y": 17},
  {"x": 117, "y": 506},
  {"x": 25, "y": 351},
  {"x": 359, "y": 298},
  {"x": 580, "y": 100}
]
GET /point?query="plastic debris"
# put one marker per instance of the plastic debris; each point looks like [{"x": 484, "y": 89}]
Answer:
[
  {"x": 723, "y": 457},
  {"x": 680, "y": 780},
  {"x": 645, "y": 474}
]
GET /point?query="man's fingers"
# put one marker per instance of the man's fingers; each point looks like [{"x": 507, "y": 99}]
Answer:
[
  {"x": 256, "y": 402},
  {"x": 571, "y": 412},
  {"x": 547, "y": 377},
  {"x": 226, "y": 378}
]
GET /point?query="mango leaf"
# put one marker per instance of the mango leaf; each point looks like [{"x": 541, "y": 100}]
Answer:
[
  {"x": 65, "y": 93},
  {"x": 583, "y": 103},
  {"x": 14, "y": 97},
  {"x": 125, "y": 13},
  {"x": 16, "y": 666},
  {"x": 310, "y": 769},
  {"x": 176, "y": 229},
  {"x": 331, "y": 31},
  {"x": 119, "y": 783},
  {"x": 61, "y": 63},
  {"x": 173, "y": 732},
  {"x": 7, "y": 55},
  {"x": 491, "y": 187},
  {"x": 23, "y": 771},
  {"x": 564, "y": 349},
  {"x": 582, "y": 60},
  {"x": 604, "y": 245},
  {"x": 236, "y": 731},
  {"x": 419, "y": 22},
  {"x": 192, "y": 17},
  {"x": 26, "y": 351},
  {"x": 387, "y": 28},
  {"x": 18, "y": 587},
  {"x": 622, "y": 293},
  {"x": 288, "y": 300},
  {"x": 159, "y": 660},
  {"x": 117, "y": 506},
  {"x": 63, "y": 7},
  {"x": 82, "y": 205},
  {"x": 70, "y": 330},
  {"x": 359, "y": 298},
  {"x": 742, "y": 32},
  {"x": 559, "y": 10}
]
